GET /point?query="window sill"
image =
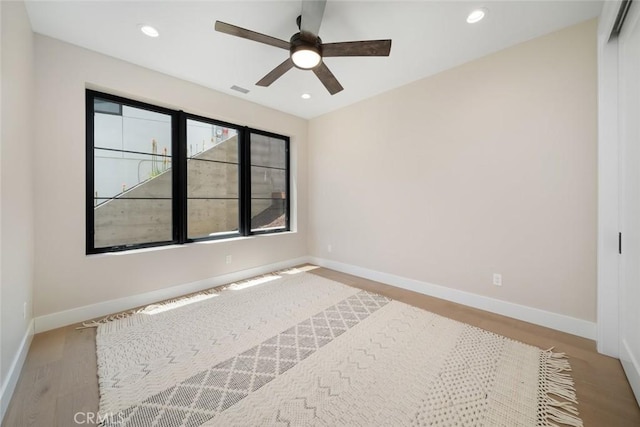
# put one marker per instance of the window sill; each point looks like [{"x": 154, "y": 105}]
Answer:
[
  {"x": 187, "y": 245},
  {"x": 239, "y": 238}
]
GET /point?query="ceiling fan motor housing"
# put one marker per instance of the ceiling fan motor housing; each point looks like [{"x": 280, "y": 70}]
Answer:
[{"x": 301, "y": 43}]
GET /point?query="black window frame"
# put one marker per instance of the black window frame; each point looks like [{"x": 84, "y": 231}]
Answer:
[
  {"x": 247, "y": 179},
  {"x": 179, "y": 176},
  {"x": 184, "y": 181}
]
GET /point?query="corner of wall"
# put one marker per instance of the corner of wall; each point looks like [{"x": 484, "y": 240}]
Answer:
[{"x": 17, "y": 250}]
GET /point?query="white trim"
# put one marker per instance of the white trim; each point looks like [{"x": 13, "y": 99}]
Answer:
[
  {"x": 608, "y": 185},
  {"x": 560, "y": 322},
  {"x": 627, "y": 124},
  {"x": 79, "y": 314},
  {"x": 544, "y": 318},
  {"x": 9, "y": 385},
  {"x": 631, "y": 368}
]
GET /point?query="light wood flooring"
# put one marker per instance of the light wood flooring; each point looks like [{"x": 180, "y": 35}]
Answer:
[{"x": 59, "y": 378}]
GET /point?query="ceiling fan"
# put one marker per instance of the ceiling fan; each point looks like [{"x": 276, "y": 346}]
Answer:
[{"x": 306, "y": 49}]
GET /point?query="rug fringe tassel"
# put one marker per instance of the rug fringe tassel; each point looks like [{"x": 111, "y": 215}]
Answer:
[
  {"x": 130, "y": 313},
  {"x": 107, "y": 319},
  {"x": 560, "y": 384},
  {"x": 560, "y": 416}
]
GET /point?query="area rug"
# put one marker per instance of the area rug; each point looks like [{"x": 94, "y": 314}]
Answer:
[{"x": 297, "y": 349}]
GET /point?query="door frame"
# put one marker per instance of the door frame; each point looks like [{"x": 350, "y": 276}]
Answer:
[{"x": 608, "y": 260}]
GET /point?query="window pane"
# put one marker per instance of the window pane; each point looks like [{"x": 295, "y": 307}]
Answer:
[
  {"x": 269, "y": 179},
  {"x": 268, "y": 213},
  {"x": 208, "y": 217},
  {"x": 132, "y": 176},
  {"x": 268, "y": 151},
  {"x": 123, "y": 175},
  {"x": 102, "y": 106},
  {"x": 212, "y": 180},
  {"x": 202, "y": 137},
  {"x": 132, "y": 222},
  {"x": 265, "y": 182}
]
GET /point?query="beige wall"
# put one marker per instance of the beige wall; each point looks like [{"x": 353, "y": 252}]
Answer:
[
  {"x": 486, "y": 168},
  {"x": 489, "y": 167},
  {"x": 16, "y": 170},
  {"x": 65, "y": 277}
]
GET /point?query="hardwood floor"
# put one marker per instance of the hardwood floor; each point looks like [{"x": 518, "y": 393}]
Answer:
[{"x": 59, "y": 379}]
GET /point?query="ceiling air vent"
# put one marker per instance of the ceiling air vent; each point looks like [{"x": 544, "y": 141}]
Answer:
[{"x": 240, "y": 89}]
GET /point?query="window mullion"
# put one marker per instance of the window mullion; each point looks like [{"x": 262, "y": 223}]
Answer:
[
  {"x": 180, "y": 177},
  {"x": 288, "y": 184},
  {"x": 89, "y": 219},
  {"x": 245, "y": 182}
]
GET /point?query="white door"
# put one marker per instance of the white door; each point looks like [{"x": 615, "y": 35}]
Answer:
[{"x": 629, "y": 126}]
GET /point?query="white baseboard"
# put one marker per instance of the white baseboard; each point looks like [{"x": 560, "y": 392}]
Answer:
[
  {"x": 582, "y": 328},
  {"x": 631, "y": 367},
  {"x": 560, "y": 322},
  {"x": 9, "y": 384},
  {"x": 80, "y": 314}
]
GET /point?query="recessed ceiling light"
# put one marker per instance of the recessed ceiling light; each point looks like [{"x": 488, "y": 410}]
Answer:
[
  {"x": 476, "y": 15},
  {"x": 305, "y": 96},
  {"x": 149, "y": 30}
]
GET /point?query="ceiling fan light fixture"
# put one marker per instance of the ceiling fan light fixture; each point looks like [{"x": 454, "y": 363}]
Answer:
[{"x": 305, "y": 57}]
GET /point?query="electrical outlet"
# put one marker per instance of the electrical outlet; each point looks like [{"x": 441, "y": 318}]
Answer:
[
  {"x": 24, "y": 311},
  {"x": 329, "y": 249},
  {"x": 228, "y": 259},
  {"x": 497, "y": 279}
]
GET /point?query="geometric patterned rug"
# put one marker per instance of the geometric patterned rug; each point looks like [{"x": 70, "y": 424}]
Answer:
[{"x": 296, "y": 349}]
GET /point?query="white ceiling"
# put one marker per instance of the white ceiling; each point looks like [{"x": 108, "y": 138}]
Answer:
[{"x": 428, "y": 37}]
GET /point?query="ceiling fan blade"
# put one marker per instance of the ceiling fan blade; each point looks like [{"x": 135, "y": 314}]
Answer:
[
  {"x": 312, "y": 11},
  {"x": 276, "y": 73},
  {"x": 361, "y": 48},
  {"x": 223, "y": 27},
  {"x": 327, "y": 78}
]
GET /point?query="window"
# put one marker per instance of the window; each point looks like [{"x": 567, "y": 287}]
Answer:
[
  {"x": 157, "y": 176},
  {"x": 269, "y": 181},
  {"x": 132, "y": 175},
  {"x": 213, "y": 179}
]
